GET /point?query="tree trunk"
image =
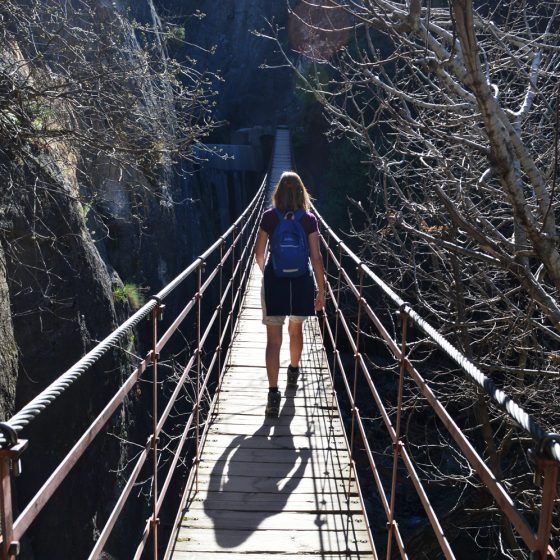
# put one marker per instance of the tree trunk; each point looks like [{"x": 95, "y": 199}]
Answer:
[{"x": 8, "y": 348}]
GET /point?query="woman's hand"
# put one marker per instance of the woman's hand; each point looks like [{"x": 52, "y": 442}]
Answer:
[
  {"x": 318, "y": 269},
  {"x": 319, "y": 301}
]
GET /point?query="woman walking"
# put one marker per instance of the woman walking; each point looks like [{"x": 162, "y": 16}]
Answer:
[{"x": 288, "y": 290}]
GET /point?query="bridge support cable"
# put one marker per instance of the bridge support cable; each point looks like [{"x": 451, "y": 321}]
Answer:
[
  {"x": 341, "y": 330},
  {"x": 241, "y": 233}
]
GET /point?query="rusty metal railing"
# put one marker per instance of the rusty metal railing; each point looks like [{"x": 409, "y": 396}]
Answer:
[
  {"x": 233, "y": 252},
  {"x": 346, "y": 293}
]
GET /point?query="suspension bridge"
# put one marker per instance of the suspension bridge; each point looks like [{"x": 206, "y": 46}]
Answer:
[{"x": 311, "y": 482}]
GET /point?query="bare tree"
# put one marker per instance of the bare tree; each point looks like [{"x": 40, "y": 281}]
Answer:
[
  {"x": 86, "y": 83},
  {"x": 456, "y": 110}
]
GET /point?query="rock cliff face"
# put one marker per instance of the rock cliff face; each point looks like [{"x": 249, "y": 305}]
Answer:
[
  {"x": 62, "y": 305},
  {"x": 249, "y": 94},
  {"x": 8, "y": 348}
]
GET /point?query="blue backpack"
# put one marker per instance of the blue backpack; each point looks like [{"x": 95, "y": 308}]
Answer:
[{"x": 289, "y": 249}]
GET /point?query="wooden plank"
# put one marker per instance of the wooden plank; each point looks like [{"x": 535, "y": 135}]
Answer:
[
  {"x": 258, "y": 332},
  {"x": 249, "y": 339},
  {"x": 316, "y": 428},
  {"x": 236, "y": 373},
  {"x": 308, "y": 385},
  {"x": 297, "y": 422},
  {"x": 254, "y": 327},
  {"x": 289, "y": 482},
  {"x": 247, "y": 430},
  {"x": 272, "y": 542},
  {"x": 256, "y": 456},
  {"x": 314, "y": 469},
  {"x": 247, "y": 377},
  {"x": 220, "y": 519},
  {"x": 308, "y": 392},
  {"x": 261, "y": 457},
  {"x": 252, "y": 303},
  {"x": 228, "y": 555},
  {"x": 289, "y": 404},
  {"x": 266, "y": 442},
  {"x": 243, "y": 375},
  {"x": 256, "y": 408},
  {"x": 254, "y": 356},
  {"x": 289, "y": 408},
  {"x": 275, "y": 502}
]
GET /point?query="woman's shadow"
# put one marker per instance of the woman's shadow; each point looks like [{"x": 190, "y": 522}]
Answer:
[{"x": 252, "y": 496}]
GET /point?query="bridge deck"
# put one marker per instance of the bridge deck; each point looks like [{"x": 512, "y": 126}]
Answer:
[{"x": 273, "y": 486}]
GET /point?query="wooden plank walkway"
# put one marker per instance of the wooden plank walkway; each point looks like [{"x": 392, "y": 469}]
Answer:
[
  {"x": 281, "y": 157},
  {"x": 273, "y": 487}
]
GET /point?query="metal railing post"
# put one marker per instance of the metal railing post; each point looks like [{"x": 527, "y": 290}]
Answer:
[
  {"x": 154, "y": 521},
  {"x": 232, "y": 292},
  {"x": 7, "y": 518},
  {"x": 220, "y": 309},
  {"x": 198, "y": 368},
  {"x": 336, "y": 324},
  {"x": 244, "y": 242},
  {"x": 355, "y": 410},
  {"x": 9, "y": 464},
  {"x": 547, "y": 470},
  {"x": 397, "y": 443},
  {"x": 327, "y": 264}
]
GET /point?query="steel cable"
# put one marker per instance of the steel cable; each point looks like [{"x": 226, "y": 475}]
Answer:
[{"x": 57, "y": 387}]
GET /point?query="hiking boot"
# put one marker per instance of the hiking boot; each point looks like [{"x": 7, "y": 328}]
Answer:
[
  {"x": 293, "y": 375},
  {"x": 273, "y": 404}
]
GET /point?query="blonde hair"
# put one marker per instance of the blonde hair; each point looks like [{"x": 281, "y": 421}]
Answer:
[{"x": 290, "y": 193}]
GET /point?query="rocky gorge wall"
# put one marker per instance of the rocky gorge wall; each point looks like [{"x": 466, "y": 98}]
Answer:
[
  {"x": 8, "y": 349},
  {"x": 249, "y": 95}
]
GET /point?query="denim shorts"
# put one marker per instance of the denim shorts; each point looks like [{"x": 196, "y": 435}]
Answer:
[{"x": 277, "y": 320}]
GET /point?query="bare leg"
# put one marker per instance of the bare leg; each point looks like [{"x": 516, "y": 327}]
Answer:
[
  {"x": 295, "y": 330},
  {"x": 273, "y": 344}
]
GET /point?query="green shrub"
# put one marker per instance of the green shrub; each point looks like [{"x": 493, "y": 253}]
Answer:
[{"x": 129, "y": 293}]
